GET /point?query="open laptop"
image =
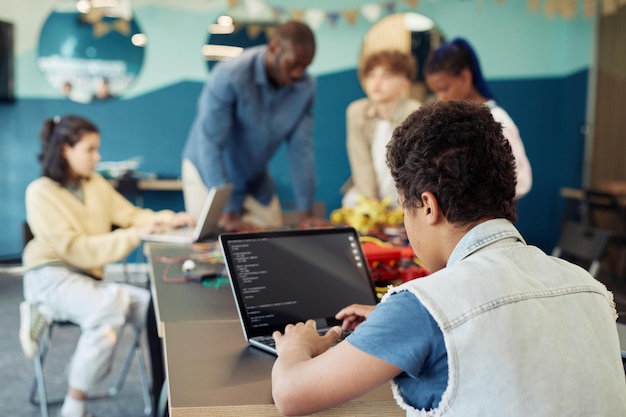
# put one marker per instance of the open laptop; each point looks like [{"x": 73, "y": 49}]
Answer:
[
  {"x": 207, "y": 225},
  {"x": 288, "y": 276}
]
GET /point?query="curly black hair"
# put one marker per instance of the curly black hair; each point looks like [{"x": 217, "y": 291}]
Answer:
[{"x": 457, "y": 151}]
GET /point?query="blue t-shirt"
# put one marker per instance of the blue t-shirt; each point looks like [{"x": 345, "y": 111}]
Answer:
[{"x": 402, "y": 332}]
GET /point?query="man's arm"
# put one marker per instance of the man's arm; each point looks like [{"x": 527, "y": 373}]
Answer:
[{"x": 212, "y": 128}]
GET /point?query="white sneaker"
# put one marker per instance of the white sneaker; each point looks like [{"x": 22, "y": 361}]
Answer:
[{"x": 32, "y": 325}]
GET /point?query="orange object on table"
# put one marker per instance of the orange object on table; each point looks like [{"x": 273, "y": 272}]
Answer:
[{"x": 391, "y": 264}]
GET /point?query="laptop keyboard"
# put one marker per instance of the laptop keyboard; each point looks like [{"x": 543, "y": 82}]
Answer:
[{"x": 269, "y": 340}]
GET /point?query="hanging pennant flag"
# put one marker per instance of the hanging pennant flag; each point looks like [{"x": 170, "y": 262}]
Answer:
[
  {"x": 100, "y": 29},
  {"x": 255, "y": 7},
  {"x": 608, "y": 7},
  {"x": 122, "y": 10},
  {"x": 589, "y": 8},
  {"x": 533, "y": 6},
  {"x": 278, "y": 12},
  {"x": 297, "y": 14},
  {"x": 412, "y": 3},
  {"x": 568, "y": 8},
  {"x": 253, "y": 30},
  {"x": 351, "y": 16},
  {"x": 95, "y": 15},
  {"x": 371, "y": 11},
  {"x": 390, "y": 7},
  {"x": 550, "y": 8},
  {"x": 122, "y": 26},
  {"x": 333, "y": 17},
  {"x": 314, "y": 17}
]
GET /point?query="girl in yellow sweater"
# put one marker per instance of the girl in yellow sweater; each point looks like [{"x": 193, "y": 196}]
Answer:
[{"x": 71, "y": 210}]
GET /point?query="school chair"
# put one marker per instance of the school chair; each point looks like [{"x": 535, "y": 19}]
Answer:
[
  {"x": 38, "y": 393},
  {"x": 604, "y": 210},
  {"x": 583, "y": 245}
]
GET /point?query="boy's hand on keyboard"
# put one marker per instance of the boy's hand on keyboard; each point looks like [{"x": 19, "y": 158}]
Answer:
[
  {"x": 302, "y": 338},
  {"x": 353, "y": 315}
]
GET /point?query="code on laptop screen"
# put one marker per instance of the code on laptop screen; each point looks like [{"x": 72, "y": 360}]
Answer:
[{"x": 286, "y": 279}]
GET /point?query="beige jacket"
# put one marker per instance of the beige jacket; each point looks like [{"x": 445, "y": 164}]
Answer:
[{"x": 361, "y": 126}]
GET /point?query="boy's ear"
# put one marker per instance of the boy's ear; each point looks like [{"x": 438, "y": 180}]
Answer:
[{"x": 431, "y": 207}]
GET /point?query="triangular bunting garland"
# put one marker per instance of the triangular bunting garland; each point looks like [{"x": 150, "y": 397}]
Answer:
[{"x": 351, "y": 16}]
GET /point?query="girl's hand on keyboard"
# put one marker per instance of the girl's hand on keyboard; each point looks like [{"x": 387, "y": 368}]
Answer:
[
  {"x": 302, "y": 338},
  {"x": 183, "y": 219}
]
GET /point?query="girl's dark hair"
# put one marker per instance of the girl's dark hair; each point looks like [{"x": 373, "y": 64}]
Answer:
[
  {"x": 55, "y": 133},
  {"x": 454, "y": 57}
]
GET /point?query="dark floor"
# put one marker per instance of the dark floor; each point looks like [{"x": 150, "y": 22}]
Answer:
[{"x": 16, "y": 372}]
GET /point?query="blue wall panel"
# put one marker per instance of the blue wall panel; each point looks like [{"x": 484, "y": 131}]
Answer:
[{"x": 548, "y": 111}]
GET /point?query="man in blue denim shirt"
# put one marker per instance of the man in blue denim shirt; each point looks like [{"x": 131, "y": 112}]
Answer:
[
  {"x": 498, "y": 329},
  {"x": 249, "y": 107}
]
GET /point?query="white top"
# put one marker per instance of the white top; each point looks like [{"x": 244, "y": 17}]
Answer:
[
  {"x": 386, "y": 185},
  {"x": 511, "y": 132}
]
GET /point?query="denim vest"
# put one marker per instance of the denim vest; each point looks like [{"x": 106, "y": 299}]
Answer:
[{"x": 526, "y": 334}]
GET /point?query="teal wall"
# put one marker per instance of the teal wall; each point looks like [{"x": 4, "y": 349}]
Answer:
[{"x": 537, "y": 67}]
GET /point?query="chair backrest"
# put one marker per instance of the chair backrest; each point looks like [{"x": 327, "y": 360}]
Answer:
[
  {"x": 583, "y": 245},
  {"x": 27, "y": 234},
  {"x": 605, "y": 211}
]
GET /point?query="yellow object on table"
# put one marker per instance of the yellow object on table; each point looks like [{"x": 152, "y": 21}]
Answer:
[{"x": 369, "y": 214}]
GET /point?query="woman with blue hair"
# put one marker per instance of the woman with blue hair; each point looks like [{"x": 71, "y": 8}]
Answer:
[{"x": 453, "y": 72}]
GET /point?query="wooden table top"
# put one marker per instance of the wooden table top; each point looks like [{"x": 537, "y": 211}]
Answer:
[{"x": 212, "y": 371}]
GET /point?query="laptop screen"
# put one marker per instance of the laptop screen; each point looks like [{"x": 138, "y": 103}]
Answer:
[{"x": 290, "y": 276}]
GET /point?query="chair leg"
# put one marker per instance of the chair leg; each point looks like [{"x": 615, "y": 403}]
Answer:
[
  {"x": 594, "y": 268},
  {"x": 162, "y": 407},
  {"x": 38, "y": 394},
  {"x": 41, "y": 388},
  {"x": 136, "y": 352},
  {"x": 146, "y": 389}
]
